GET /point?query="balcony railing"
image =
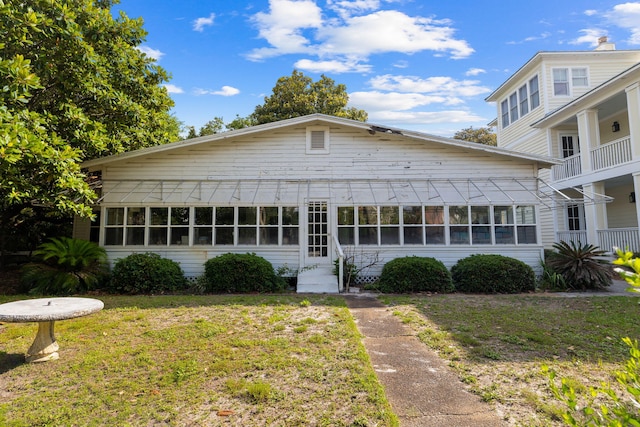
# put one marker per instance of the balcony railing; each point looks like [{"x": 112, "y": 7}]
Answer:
[
  {"x": 570, "y": 167},
  {"x": 623, "y": 238},
  {"x": 579, "y": 237},
  {"x": 604, "y": 156},
  {"x": 611, "y": 154}
]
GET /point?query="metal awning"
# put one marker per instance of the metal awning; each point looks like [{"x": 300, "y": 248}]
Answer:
[{"x": 342, "y": 191}]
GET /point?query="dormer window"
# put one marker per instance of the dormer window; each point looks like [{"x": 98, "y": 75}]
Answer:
[{"x": 318, "y": 140}]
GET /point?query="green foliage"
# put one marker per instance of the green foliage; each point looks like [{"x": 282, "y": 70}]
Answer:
[
  {"x": 298, "y": 95},
  {"x": 631, "y": 261},
  {"x": 550, "y": 279},
  {"x": 602, "y": 405},
  {"x": 415, "y": 274},
  {"x": 580, "y": 265},
  {"x": 492, "y": 274},
  {"x": 73, "y": 86},
  {"x": 481, "y": 135},
  {"x": 239, "y": 273},
  {"x": 66, "y": 266},
  {"x": 146, "y": 273}
]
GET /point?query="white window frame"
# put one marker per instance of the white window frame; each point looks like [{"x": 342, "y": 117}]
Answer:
[{"x": 574, "y": 79}]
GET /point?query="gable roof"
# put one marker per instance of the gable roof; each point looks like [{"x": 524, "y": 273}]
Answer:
[{"x": 322, "y": 119}]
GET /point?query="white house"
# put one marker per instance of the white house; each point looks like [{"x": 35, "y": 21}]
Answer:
[
  {"x": 583, "y": 108},
  {"x": 300, "y": 191}
]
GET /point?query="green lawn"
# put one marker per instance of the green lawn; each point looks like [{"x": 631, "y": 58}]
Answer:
[
  {"x": 198, "y": 361},
  {"x": 498, "y": 344}
]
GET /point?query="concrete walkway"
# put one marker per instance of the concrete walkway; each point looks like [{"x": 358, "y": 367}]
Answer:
[{"x": 421, "y": 388}]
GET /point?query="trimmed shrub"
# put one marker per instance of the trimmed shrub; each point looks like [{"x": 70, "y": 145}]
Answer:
[
  {"x": 146, "y": 273},
  {"x": 241, "y": 273},
  {"x": 491, "y": 274},
  {"x": 66, "y": 266},
  {"x": 415, "y": 274}
]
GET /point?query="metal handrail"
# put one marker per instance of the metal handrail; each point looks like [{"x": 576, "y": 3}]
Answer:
[{"x": 340, "y": 263}]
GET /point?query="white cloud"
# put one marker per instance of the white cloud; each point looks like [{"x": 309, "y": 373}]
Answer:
[
  {"x": 426, "y": 117},
  {"x": 331, "y": 66},
  {"x": 540, "y": 36},
  {"x": 283, "y": 27},
  {"x": 391, "y": 31},
  {"x": 298, "y": 27},
  {"x": 152, "y": 53},
  {"x": 397, "y": 101},
  {"x": 590, "y": 12},
  {"x": 626, "y": 16},
  {"x": 173, "y": 88},
  {"x": 445, "y": 86},
  {"x": 589, "y": 36},
  {"x": 200, "y": 23},
  {"x": 225, "y": 91},
  {"x": 475, "y": 71}
]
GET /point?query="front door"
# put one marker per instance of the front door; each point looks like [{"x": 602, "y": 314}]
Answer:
[{"x": 318, "y": 239}]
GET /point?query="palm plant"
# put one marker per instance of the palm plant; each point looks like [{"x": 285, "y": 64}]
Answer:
[
  {"x": 66, "y": 266},
  {"x": 581, "y": 266}
]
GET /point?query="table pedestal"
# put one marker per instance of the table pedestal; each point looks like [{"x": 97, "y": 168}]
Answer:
[{"x": 44, "y": 347}]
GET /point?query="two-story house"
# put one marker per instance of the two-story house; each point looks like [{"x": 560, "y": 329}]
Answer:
[{"x": 582, "y": 107}]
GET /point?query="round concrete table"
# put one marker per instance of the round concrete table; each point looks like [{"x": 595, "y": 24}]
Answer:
[{"x": 46, "y": 311}]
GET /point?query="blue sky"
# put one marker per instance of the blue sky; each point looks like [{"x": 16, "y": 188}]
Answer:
[{"x": 419, "y": 65}]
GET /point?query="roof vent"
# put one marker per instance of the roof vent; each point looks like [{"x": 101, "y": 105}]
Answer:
[{"x": 603, "y": 44}]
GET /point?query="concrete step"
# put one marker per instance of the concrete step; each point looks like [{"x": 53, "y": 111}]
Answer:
[{"x": 319, "y": 280}]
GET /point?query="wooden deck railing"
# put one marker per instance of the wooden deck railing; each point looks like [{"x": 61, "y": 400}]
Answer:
[
  {"x": 611, "y": 154},
  {"x": 570, "y": 167}
]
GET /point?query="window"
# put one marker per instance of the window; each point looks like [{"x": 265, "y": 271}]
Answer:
[
  {"x": 480, "y": 225},
  {"x": 520, "y": 103},
  {"x": 524, "y": 100},
  {"x": 573, "y": 217},
  {"x": 203, "y": 230},
  {"x": 226, "y": 225},
  {"x": 564, "y": 79},
  {"x": 346, "y": 225},
  {"x": 560, "y": 81},
  {"x": 504, "y": 109},
  {"x": 247, "y": 226},
  {"x": 579, "y": 77},
  {"x": 412, "y": 221},
  {"x": 525, "y": 220},
  {"x": 135, "y": 226},
  {"x": 426, "y": 225},
  {"x": 268, "y": 225},
  {"x": 513, "y": 105},
  {"x": 318, "y": 140},
  {"x": 434, "y": 225},
  {"x": 569, "y": 147},
  {"x": 504, "y": 224},
  {"x": 368, "y": 225},
  {"x": 389, "y": 225},
  {"x": 114, "y": 226},
  {"x": 290, "y": 229},
  {"x": 534, "y": 92},
  {"x": 459, "y": 225},
  {"x": 224, "y": 230}
]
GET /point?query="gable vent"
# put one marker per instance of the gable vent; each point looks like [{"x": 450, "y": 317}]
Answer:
[{"x": 317, "y": 140}]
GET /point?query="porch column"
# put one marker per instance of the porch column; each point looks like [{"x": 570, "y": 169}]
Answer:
[
  {"x": 595, "y": 214},
  {"x": 589, "y": 136},
  {"x": 633, "y": 111}
]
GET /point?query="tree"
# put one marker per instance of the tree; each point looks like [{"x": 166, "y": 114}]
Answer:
[
  {"x": 481, "y": 135},
  {"x": 212, "y": 126},
  {"x": 298, "y": 95},
  {"x": 73, "y": 86}
]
